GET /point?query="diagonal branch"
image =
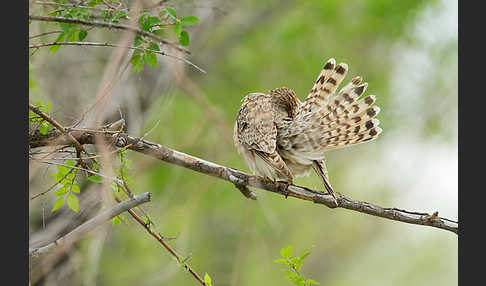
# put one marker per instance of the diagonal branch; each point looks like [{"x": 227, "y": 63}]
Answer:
[
  {"x": 164, "y": 244},
  {"x": 107, "y": 25},
  {"x": 242, "y": 180},
  {"x": 86, "y": 227}
]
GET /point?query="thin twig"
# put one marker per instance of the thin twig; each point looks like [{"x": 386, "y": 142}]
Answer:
[
  {"x": 79, "y": 6},
  {"x": 164, "y": 244},
  {"x": 52, "y": 187},
  {"x": 92, "y": 44},
  {"x": 107, "y": 25},
  {"x": 44, "y": 34}
]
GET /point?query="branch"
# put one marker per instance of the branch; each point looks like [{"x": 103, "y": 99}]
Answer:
[
  {"x": 45, "y": 116},
  {"x": 242, "y": 180},
  {"x": 164, "y": 244},
  {"x": 107, "y": 25},
  {"x": 114, "y": 46},
  {"x": 86, "y": 227}
]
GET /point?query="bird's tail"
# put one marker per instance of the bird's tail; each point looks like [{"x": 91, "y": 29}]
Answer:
[{"x": 341, "y": 119}]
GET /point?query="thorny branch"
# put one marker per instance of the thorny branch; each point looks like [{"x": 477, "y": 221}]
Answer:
[{"x": 243, "y": 180}]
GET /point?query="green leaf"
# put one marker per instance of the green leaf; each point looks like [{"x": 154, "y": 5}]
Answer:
[
  {"x": 284, "y": 261},
  {"x": 189, "y": 20},
  {"x": 153, "y": 46},
  {"x": 82, "y": 35},
  {"x": 61, "y": 191},
  {"x": 286, "y": 252},
  {"x": 177, "y": 29},
  {"x": 116, "y": 221},
  {"x": 43, "y": 128},
  {"x": 310, "y": 281},
  {"x": 184, "y": 38},
  {"x": 73, "y": 202},
  {"x": 138, "y": 40},
  {"x": 66, "y": 26},
  {"x": 60, "y": 38},
  {"x": 152, "y": 20},
  {"x": 96, "y": 179},
  {"x": 304, "y": 256},
  {"x": 150, "y": 59},
  {"x": 75, "y": 189},
  {"x": 136, "y": 61},
  {"x": 171, "y": 12},
  {"x": 207, "y": 279},
  {"x": 142, "y": 19},
  {"x": 58, "y": 204}
]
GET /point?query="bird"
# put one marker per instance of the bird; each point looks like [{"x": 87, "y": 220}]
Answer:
[{"x": 281, "y": 137}]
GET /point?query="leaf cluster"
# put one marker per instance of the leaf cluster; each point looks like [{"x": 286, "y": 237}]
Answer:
[
  {"x": 44, "y": 126},
  {"x": 158, "y": 25},
  {"x": 295, "y": 264},
  {"x": 69, "y": 186}
]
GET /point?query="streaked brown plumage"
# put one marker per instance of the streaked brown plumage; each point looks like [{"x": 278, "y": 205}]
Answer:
[{"x": 281, "y": 137}]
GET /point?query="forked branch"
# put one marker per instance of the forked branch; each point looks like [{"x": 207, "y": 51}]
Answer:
[{"x": 86, "y": 227}]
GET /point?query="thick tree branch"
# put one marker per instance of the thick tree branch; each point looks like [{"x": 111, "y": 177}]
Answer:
[
  {"x": 242, "y": 180},
  {"x": 107, "y": 25},
  {"x": 86, "y": 227}
]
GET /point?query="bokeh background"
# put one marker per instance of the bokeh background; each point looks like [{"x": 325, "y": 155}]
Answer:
[{"x": 405, "y": 50}]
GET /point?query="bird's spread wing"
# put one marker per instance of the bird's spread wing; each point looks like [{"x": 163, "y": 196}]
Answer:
[{"x": 256, "y": 128}]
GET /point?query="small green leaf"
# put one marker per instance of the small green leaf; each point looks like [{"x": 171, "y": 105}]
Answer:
[
  {"x": 171, "y": 12},
  {"x": 138, "y": 40},
  {"x": 66, "y": 26},
  {"x": 152, "y": 20},
  {"x": 142, "y": 19},
  {"x": 61, "y": 191},
  {"x": 73, "y": 202},
  {"x": 153, "y": 46},
  {"x": 286, "y": 252},
  {"x": 58, "y": 204},
  {"x": 150, "y": 59},
  {"x": 75, "y": 189},
  {"x": 207, "y": 279},
  {"x": 310, "y": 281},
  {"x": 60, "y": 38},
  {"x": 184, "y": 38},
  {"x": 189, "y": 20},
  {"x": 177, "y": 29},
  {"x": 281, "y": 261},
  {"x": 96, "y": 179},
  {"x": 43, "y": 128},
  {"x": 82, "y": 35},
  {"x": 116, "y": 221},
  {"x": 136, "y": 61}
]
